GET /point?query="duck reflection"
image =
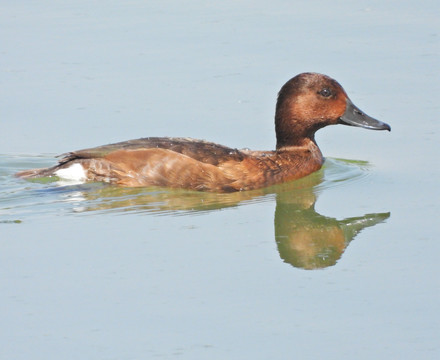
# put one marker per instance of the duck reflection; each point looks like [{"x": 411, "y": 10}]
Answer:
[
  {"x": 305, "y": 238},
  {"x": 309, "y": 240}
]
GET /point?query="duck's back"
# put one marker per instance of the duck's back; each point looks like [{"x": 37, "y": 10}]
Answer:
[{"x": 200, "y": 150}]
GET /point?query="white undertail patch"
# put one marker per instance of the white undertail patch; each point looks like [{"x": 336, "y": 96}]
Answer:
[{"x": 74, "y": 173}]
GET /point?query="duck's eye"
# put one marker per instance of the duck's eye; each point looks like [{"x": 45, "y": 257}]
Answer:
[{"x": 325, "y": 92}]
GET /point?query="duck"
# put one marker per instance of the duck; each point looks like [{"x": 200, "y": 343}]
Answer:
[{"x": 305, "y": 104}]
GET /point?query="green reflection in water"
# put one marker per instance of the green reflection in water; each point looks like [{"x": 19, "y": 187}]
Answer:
[{"x": 309, "y": 240}]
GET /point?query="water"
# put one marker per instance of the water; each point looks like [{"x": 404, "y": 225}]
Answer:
[{"x": 341, "y": 264}]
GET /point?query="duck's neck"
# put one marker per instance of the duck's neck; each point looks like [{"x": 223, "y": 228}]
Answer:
[
  {"x": 295, "y": 143},
  {"x": 294, "y": 133}
]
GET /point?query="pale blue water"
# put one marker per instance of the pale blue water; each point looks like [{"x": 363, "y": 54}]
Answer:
[{"x": 341, "y": 265}]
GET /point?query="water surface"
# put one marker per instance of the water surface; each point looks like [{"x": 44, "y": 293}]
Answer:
[
  {"x": 341, "y": 264},
  {"x": 305, "y": 238}
]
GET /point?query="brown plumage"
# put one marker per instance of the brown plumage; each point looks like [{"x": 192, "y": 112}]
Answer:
[{"x": 305, "y": 104}]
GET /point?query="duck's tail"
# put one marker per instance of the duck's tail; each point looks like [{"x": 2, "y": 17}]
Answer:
[{"x": 35, "y": 173}]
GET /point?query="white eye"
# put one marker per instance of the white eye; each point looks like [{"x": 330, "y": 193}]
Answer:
[{"x": 326, "y": 92}]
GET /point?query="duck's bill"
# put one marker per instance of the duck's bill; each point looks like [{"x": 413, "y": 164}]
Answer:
[{"x": 353, "y": 116}]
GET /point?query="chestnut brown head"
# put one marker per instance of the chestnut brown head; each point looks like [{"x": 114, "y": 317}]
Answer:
[{"x": 310, "y": 101}]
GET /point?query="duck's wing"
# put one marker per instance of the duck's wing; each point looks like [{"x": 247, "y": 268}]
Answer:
[{"x": 200, "y": 150}]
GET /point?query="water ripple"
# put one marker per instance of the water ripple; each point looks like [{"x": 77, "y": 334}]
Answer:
[{"x": 21, "y": 200}]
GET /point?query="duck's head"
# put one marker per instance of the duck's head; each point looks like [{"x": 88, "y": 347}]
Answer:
[{"x": 310, "y": 101}]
